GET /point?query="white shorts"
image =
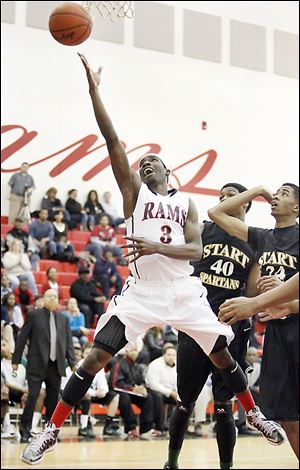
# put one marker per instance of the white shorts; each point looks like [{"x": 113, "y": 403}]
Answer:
[{"x": 181, "y": 303}]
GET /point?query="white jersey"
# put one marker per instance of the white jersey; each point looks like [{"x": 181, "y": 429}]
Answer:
[{"x": 160, "y": 219}]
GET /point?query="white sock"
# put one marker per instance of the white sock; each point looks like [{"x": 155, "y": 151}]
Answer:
[
  {"x": 84, "y": 421},
  {"x": 36, "y": 419},
  {"x": 6, "y": 420}
]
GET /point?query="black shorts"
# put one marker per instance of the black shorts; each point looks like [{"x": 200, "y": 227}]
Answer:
[
  {"x": 194, "y": 366},
  {"x": 279, "y": 379}
]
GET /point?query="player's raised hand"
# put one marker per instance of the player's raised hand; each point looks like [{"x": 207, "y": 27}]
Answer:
[
  {"x": 140, "y": 247},
  {"x": 93, "y": 77},
  {"x": 267, "y": 194}
]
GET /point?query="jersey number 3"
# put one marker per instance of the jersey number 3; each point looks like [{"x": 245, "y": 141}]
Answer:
[{"x": 166, "y": 238}]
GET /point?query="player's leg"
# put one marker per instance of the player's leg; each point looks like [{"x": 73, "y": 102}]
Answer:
[
  {"x": 108, "y": 341},
  {"x": 193, "y": 368}
]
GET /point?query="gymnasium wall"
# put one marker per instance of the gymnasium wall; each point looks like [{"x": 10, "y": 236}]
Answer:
[{"x": 212, "y": 85}]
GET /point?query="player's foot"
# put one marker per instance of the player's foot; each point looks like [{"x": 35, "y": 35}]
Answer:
[
  {"x": 168, "y": 466},
  {"x": 272, "y": 431},
  {"x": 44, "y": 442}
]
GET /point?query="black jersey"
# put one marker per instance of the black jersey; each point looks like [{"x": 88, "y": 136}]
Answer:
[
  {"x": 277, "y": 251},
  {"x": 225, "y": 264}
]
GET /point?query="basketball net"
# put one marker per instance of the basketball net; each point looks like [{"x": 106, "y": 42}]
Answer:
[{"x": 114, "y": 10}]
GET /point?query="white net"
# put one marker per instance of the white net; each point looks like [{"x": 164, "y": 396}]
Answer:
[{"x": 114, "y": 10}]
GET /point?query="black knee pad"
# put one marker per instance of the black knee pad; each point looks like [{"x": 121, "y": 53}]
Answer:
[
  {"x": 111, "y": 338},
  {"x": 223, "y": 412}
]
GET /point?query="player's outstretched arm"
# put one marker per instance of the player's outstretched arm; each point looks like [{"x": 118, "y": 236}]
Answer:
[
  {"x": 221, "y": 214},
  {"x": 190, "y": 251},
  {"x": 127, "y": 179},
  {"x": 240, "y": 308}
]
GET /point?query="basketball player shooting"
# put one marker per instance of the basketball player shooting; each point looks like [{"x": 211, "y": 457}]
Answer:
[{"x": 163, "y": 237}]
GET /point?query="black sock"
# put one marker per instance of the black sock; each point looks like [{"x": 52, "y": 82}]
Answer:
[
  {"x": 234, "y": 378},
  {"x": 77, "y": 386},
  {"x": 108, "y": 421},
  {"x": 179, "y": 422},
  {"x": 226, "y": 434}
]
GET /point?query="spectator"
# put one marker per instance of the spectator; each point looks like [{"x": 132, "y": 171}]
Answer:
[
  {"x": 90, "y": 303},
  {"x": 52, "y": 283},
  {"x": 24, "y": 297},
  {"x": 42, "y": 233},
  {"x": 38, "y": 301},
  {"x": 93, "y": 208},
  {"x": 50, "y": 344},
  {"x": 77, "y": 214},
  {"x": 11, "y": 314},
  {"x": 161, "y": 379},
  {"x": 110, "y": 209},
  {"x": 105, "y": 272},
  {"x": 5, "y": 286},
  {"x": 18, "y": 388},
  {"x": 128, "y": 376},
  {"x": 29, "y": 247},
  {"x": 100, "y": 393},
  {"x": 61, "y": 237},
  {"x": 103, "y": 237},
  {"x": 17, "y": 266},
  {"x": 8, "y": 334},
  {"x": 170, "y": 335},
  {"x": 154, "y": 341},
  {"x": 77, "y": 321},
  {"x": 53, "y": 204},
  {"x": 5, "y": 430},
  {"x": 19, "y": 183}
]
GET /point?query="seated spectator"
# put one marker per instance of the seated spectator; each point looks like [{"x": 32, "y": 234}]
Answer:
[
  {"x": 77, "y": 321},
  {"x": 111, "y": 211},
  {"x": 52, "y": 283},
  {"x": 42, "y": 233},
  {"x": 76, "y": 213},
  {"x": 8, "y": 333},
  {"x": 5, "y": 286},
  {"x": 53, "y": 204},
  {"x": 38, "y": 302},
  {"x": 105, "y": 272},
  {"x": 170, "y": 335},
  {"x": 127, "y": 377},
  {"x": 154, "y": 341},
  {"x": 24, "y": 297},
  {"x": 17, "y": 385},
  {"x": 93, "y": 208},
  {"x": 90, "y": 303},
  {"x": 17, "y": 266},
  {"x": 100, "y": 393},
  {"x": 29, "y": 247},
  {"x": 61, "y": 237},
  {"x": 103, "y": 237},
  {"x": 11, "y": 314},
  {"x": 6, "y": 430}
]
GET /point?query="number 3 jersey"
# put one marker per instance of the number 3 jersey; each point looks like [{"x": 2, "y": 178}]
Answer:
[
  {"x": 160, "y": 219},
  {"x": 225, "y": 264}
]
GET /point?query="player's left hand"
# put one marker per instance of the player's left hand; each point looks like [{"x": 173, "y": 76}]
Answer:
[
  {"x": 266, "y": 283},
  {"x": 233, "y": 310},
  {"x": 140, "y": 247},
  {"x": 274, "y": 313}
]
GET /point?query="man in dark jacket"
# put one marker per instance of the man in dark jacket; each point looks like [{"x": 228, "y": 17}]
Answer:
[
  {"x": 50, "y": 343},
  {"x": 90, "y": 303},
  {"x": 105, "y": 272}
]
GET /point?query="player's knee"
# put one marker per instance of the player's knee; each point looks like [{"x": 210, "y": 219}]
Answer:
[
  {"x": 223, "y": 412},
  {"x": 95, "y": 360},
  {"x": 221, "y": 359},
  {"x": 185, "y": 407}
]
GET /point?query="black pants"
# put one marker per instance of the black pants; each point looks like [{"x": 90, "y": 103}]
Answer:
[
  {"x": 159, "y": 402},
  {"x": 89, "y": 310},
  {"x": 52, "y": 380},
  {"x": 130, "y": 420}
]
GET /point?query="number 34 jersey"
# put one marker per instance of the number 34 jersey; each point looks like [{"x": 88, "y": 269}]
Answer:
[
  {"x": 160, "y": 219},
  {"x": 225, "y": 264}
]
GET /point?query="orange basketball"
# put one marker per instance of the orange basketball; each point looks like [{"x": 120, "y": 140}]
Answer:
[{"x": 70, "y": 24}]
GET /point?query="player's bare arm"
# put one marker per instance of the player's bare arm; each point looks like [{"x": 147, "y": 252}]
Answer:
[
  {"x": 221, "y": 214},
  {"x": 127, "y": 179},
  {"x": 191, "y": 250}
]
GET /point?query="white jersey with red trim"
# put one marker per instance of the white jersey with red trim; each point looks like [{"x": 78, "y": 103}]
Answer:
[{"x": 160, "y": 219}]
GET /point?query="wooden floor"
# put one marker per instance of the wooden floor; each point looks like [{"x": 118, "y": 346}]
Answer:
[{"x": 250, "y": 453}]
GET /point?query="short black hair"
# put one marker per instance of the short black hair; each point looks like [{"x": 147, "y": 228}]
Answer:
[
  {"x": 240, "y": 188},
  {"x": 295, "y": 188}
]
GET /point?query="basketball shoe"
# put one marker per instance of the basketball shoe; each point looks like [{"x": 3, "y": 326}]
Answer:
[
  {"x": 272, "y": 431},
  {"x": 44, "y": 442}
]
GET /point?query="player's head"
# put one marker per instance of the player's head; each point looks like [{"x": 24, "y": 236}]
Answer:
[
  {"x": 154, "y": 169},
  {"x": 285, "y": 201},
  {"x": 230, "y": 190}
]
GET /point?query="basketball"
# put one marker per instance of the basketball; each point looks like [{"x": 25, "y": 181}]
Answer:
[{"x": 70, "y": 24}]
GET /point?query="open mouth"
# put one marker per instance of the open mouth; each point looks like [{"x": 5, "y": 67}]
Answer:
[
  {"x": 148, "y": 171},
  {"x": 274, "y": 205}
]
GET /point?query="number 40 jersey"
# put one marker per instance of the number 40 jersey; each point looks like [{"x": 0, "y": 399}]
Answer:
[{"x": 160, "y": 219}]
